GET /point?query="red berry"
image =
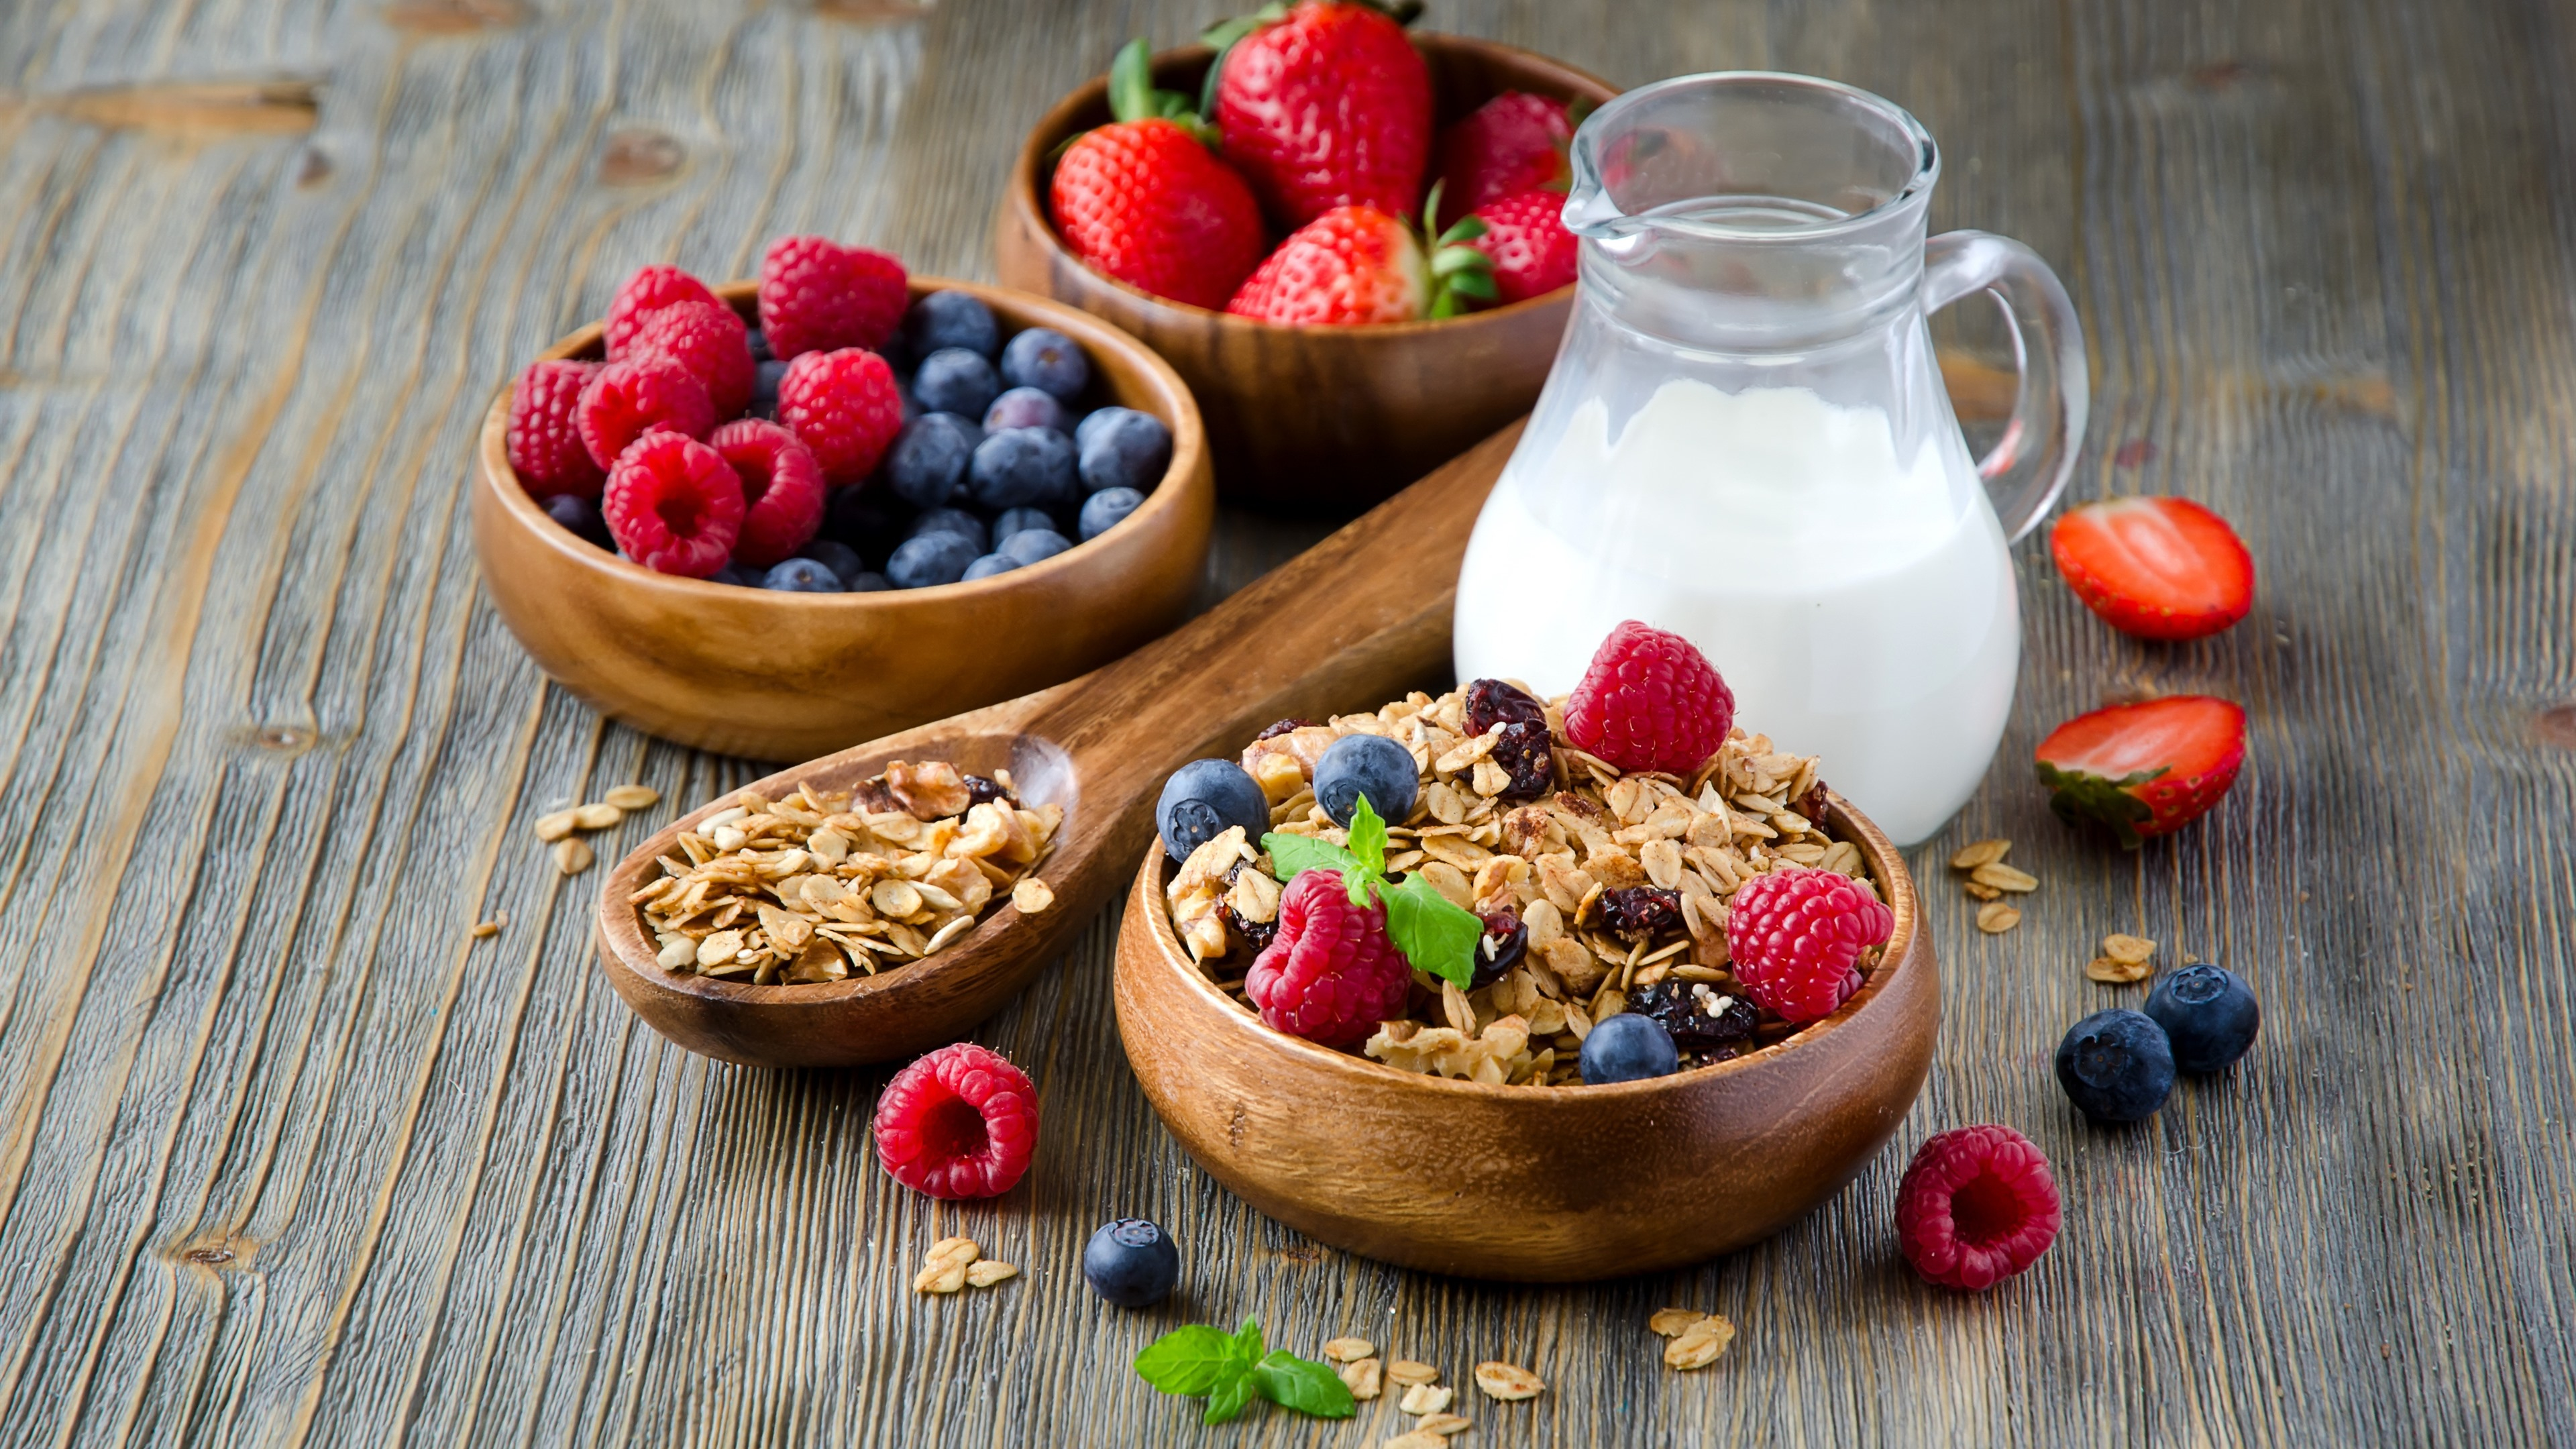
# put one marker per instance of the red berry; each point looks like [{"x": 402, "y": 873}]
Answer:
[
  {"x": 1146, "y": 203},
  {"x": 1332, "y": 973},
  {"x": 545, "y": 430},
  {"x": 818, "y": 296},
  {"x": 648, "y": 291},
  {"x": 2158, "y": 568},
  {"x": 1514, "y": 142},
  {"x": 1976, "y": 1207},
  {"x": 1352, "y": 266},
  {"x": 625, "y": 400},
  {"x": 1330, "y": 106},
  {"x": 2144, "y": 769},
  {"x": 708, "y": 339},
  {"x": 1525, "y": 235},
  {"x": 1795, "y": 935},
  {"x": 960, "y": 1122},
  {"x": 673, "y": 506},
  {"x": 1649, "y": 701},
  {"x": 844, "y": 406},
  {"x": 782, "y": 488}
]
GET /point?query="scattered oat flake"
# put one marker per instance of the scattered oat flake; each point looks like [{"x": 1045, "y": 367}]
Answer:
[
  {"x": 1444, "y": 1424},
  {"x": 1977, "y": 853},
  {"x": 2114, "y": 972},
  {"x": 2128, "y": 948},
  {"x": 985, "y": 1272},
  {"x": 1418, "y": 1439},
  {"x": 551, "y": 828},
  {"x": 484, "y": 929},
  {"x": 1669, "y": 1321},
  {"x": 1349, "y": 1350},
  {"x": 1412, "y": 1371},
  {"x": 1031, "y": 896},
  {"x": 633, "y": 797},
  {"x": 1699, "y": 1345},
  {"x": 1978, "y": 892},
  {"x": 1426, "y": 1398},
  {"x": 1508, "y": 1381},
  {"x": 2004, "y": 877},
  {"x": 1362, "y": 1377},
  {"x": 571, "y": 856},
  {"x": 1994, "y": 918},
  {"x": 597, "y": 816},
  {"x": 944, "y": 1270}
]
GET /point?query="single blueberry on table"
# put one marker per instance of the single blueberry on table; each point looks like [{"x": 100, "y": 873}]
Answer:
[
  {"x": 1202, "y": 798},
  {"x": 1626, "y": 1048},
  {"x": 2208, "y": 1013},
  {"x": 579, "y": 516},
  {"x": 1044, "y": 358},
  {"x": 764, "y": 388},
  {"x": 1123, "y": 448},
  {"x": 1107, "y": 509},
  {"x": 840, "y": 558},
  {"x": 954, "y": 380},
  {"x": 1021, "y": 467},
  {"x": 869, "y": 583},
  {"x": 926, "y": 466},
  {"x": 1020, "y": 520},
  {"x": 2116, "y": 1066},
  {"x": 1131, "y": 1263},
  {"x": 1370, "y": 765},
  {"x": 801, "y": 576},
  {"x": 1024, "y": 407},
  {"x": 991, "y": 564},
  {"x": 952, "y": 520},
  {"x": 951, "y": 319},
  {"x": 1031, "y": 544},
  {"x": 931, "y": 559}
]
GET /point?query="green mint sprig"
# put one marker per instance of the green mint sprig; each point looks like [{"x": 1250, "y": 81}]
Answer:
[
  {"x": 1433, "y": 933},
  {"x": 1229, "y": 1370}
]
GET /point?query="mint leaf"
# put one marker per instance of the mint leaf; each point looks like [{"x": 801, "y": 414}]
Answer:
[
  {"x": 1247, "y": 1344},
  {"x": 1191, "y": 1361},
  {"x": 1368, "y": 837},
  {"x": 1230, "y": 1397},
  {"x": 1294, "y": 855},
  {"x": 1303, "y": 1385},
  {"x": 1434, "y": 934}
]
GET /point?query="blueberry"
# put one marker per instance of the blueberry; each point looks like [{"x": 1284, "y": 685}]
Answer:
[
  {"x": 1626, "y": 1048},
  {"x": 736, "y": 575},
  {"x": 991, "y": 564},
  {"x": 801, "y": 576},
  {"x": 951, "y": 319},
  {"x": 1107, "y": 509},
  {"x": 2116, "y": 1066},
  {"x": 1025, "y": 407},
  {"x": 1044, "y": 358},
  {"x": 869, "y": 583},
  {"x": 868, "y": 520},
  {"x": 926, "y": 467},
  {"x": 1131, "y": 1263},
  {"x": 764, "y": 388},
  {"x": 1031, "y": 544},
  {"x": 2208, "y": 1013},
  {"x": 1021, "y": 467},
  {"x": 840, "y": 558},
  {"x": 759, "y": 342},
  {"x": 1123, "y": 448},
  {"x": 1370, "y": 765},
  {"x": 898, "y": 353},
  {"x": 1020, "y": 520},
  {"x": 954, "y": 380},
  {"x": 580, "y": 516},
  {"x": 1202, "y": 798},
  {"x": 933, "y": 558},
  {"x": 952, "y": 520}
]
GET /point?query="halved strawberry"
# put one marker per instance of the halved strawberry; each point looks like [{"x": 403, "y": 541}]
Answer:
[
  {"x": 2144, "y": 769},
  {"x": 2159, "y": 568}
]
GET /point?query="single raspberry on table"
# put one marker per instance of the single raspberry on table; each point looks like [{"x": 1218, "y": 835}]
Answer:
[
  {"x": 625, "y": 400},
  {"x": 673, "y": 505},
  {"x": 960, "y": 1122},
  {"x": 545, "y": 430},
  {"x": 844, "y": 406},
  {"x": 648, "y": 291},
  {"x": 819, "y": 296},
  {"x": 1976, "y": 1207},
  {"x": 1649, "y": 701},
  {"x": 708, "y": 339},
  {"x": 782, "y": 489},
  {"x": 1332, "y": 973},
  {"x": 1794, "y": 935}
]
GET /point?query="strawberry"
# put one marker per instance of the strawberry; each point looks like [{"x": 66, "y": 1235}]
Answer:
[
  {"x": 1323, "y": 105},
  {"x": 2144, "y": 769},
  {"x": 1144, "y": 200},
  {"x": 1524, "y": 233},
  {"x": 1356, "y": 265},
  {"x": 2159, "y": 568},
  {"x": 1514, "y": 142}
]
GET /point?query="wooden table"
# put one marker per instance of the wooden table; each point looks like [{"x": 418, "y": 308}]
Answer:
[{"x": 286, "y": 1156}]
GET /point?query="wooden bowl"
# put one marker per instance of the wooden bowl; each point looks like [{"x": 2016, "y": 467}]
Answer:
[
  {"x": 1322, "y": 419},
  {"x": 781, "y": 676},
  {"x": 1536, "y": 1184}
]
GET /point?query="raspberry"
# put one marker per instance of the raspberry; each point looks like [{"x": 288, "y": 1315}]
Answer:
[
  {"x": 673, "y": 505},
  {"x": 1649, "y": 701},
  {"x": 648, "y": 291},
  {"x": 1976, "y": 1207},
  {"x": 545, "y": 433},
  {"x": 960, "y": 1122},
  {"x": 782, "y": 489},
  {"x": 710, "y": 341},
  {"x": 1332, "y": 973},
  {"x": 844, "y": 406},
  {"x": 1794, "y": 934},
  {"x": 818, "y": 296},
  {"x": 625, "y": 400}
]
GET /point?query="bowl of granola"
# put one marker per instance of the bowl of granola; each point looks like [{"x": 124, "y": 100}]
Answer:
[{"x": 1459, "y": 1136}]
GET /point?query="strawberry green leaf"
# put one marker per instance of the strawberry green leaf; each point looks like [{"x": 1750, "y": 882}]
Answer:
[
  {"x": 1467, "y": 229},
  {"x": 1477, "y": 284},
  {"x": 1294, "y": 855},
  {"x": 1303, "y": 1385},
  {"x": 1189, "y": 1361},
  {"x": 1131, "y": 83},
  {"x": 1432, "y": 931}
]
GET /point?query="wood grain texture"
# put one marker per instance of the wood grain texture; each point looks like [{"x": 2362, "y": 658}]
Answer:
[{"x": 285, "y": 1158}]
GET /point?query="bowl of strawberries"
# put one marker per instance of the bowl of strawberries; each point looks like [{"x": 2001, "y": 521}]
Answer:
[{"x": 1345, "y": 236}]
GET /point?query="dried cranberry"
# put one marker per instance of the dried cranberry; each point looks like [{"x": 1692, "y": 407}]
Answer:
[
  {"x": 979, "y": 790},
  {"x": 1521, "y": 749},
  {"x": 1504, "y": 940},
  {"x": 1257, "y": 933},
  {"x": 1641, "y": 911},
  {"x": 1490, "y": 701},
  {"x": 1281, "y": 728},
  {"x": 1683, "y": 1009},
  {"x": 1812, "y": 804}
]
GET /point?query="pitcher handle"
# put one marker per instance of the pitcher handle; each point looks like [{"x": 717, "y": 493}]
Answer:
[{"x": 2031, "y": 463}]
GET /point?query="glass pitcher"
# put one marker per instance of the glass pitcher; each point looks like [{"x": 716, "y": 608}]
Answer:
[{"x": 1745, "y": 438}]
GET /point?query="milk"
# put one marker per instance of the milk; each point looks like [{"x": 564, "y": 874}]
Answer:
[{"x": 1859, "y": 604}]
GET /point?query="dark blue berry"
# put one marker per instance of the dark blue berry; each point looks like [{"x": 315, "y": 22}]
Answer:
[
  {"x": 2116, "y": 1066},
  {"x": 1020, "y": 520},
  {"x": 2208, "y": 1013},
  {"x": 1046, "y": 359},
  {"x": 1107, "y": 509},
  {"x": 1201, "y": 799},
  {"x": 954, "y": 380},
  {"x": 1370, "y": 765},
  {"x": 840, "y": 558},
  {"x": 1031, "y": 544},
  {"x": 736, "y": 575},
  {"x": 991, "y": 564},
  {"x": 870, "y": 583},
  {"x": 759, "y": 342},
  {"x": 801, "y": 576},
  {"x": 1123, "y": 448},
  {"x": 867, "y": 519},
  {"x": 933, "y": 558},
  {"x": 926, "y": 467},
  {"x": 579, "y": 516},
  {"x": 1131, "y": 1263},
  {"x": 1024, "y": 407},
  {"x": 898, "y": 353},
  {"x": 764, "y": 388},
  {"x": 1021, "y": 467},
  {"x": 1626, "y": 1048},
  {"x": 951, "y": 319},
  {"x": 951, "y": 520}
]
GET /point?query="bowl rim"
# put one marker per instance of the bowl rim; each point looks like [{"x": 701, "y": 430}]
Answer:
[
  {"x": 1250, "y": 1034},
  {"x": 1021, "y": 191},
  {"x": 1189, "y": 457}
]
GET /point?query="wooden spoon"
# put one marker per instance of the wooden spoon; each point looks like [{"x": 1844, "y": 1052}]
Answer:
[{"x": 1351, "y": 622}]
